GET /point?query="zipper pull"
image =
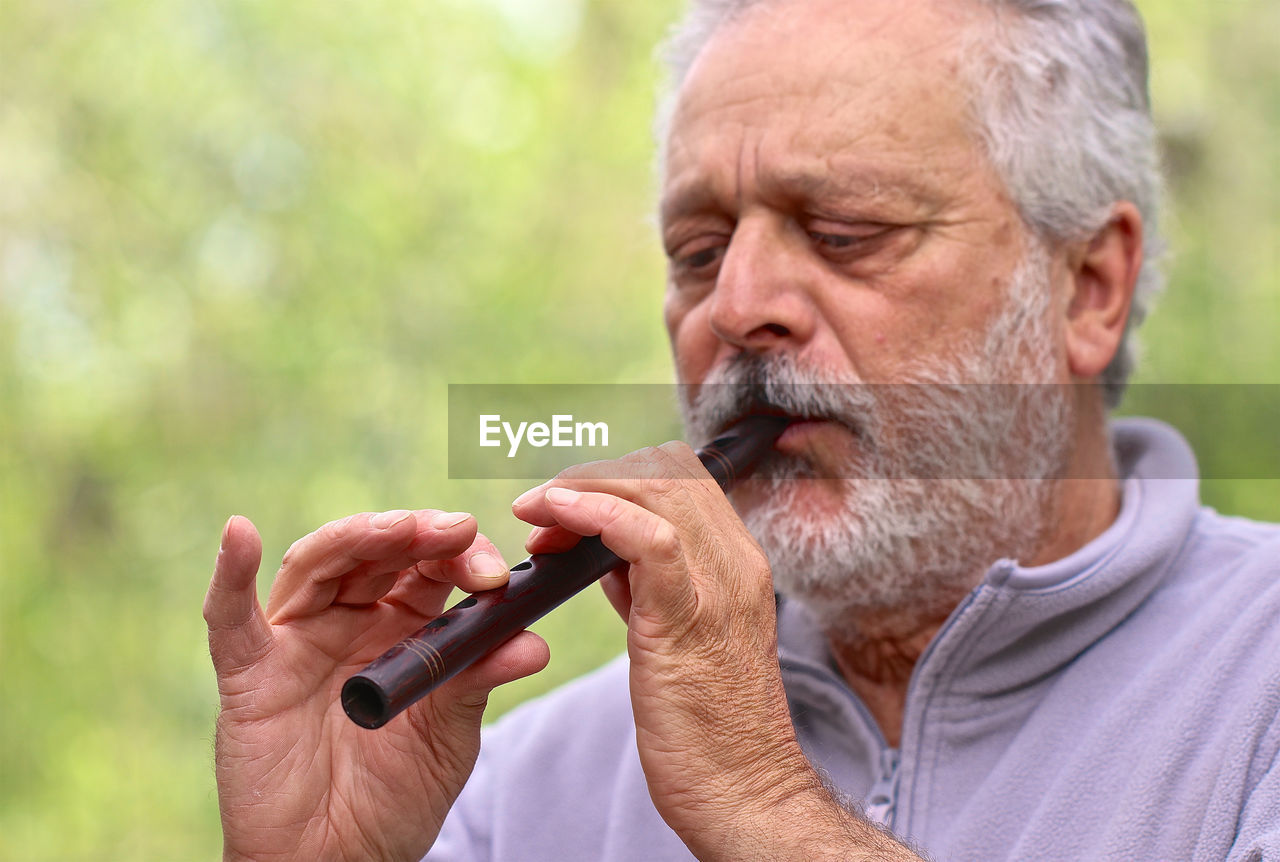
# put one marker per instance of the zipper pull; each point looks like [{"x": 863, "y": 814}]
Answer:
[{"x": 884, "y": 793}]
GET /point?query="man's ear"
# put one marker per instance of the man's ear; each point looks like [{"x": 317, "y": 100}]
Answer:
[{"x": 1104, "y": 273}]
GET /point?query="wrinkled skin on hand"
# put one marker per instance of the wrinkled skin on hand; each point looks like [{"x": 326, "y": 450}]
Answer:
[
  {"x": 715, "y": 736},
  {"x": 296, "y": 778}
]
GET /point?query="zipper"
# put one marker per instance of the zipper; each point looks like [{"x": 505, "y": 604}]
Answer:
[
  {"x": 911, "y": 704},
  {"x": 880, "y": 806},
  {"x": 884, "y": 793}
]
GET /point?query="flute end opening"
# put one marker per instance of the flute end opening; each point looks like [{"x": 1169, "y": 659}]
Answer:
[{"x": 364, "y": 703}]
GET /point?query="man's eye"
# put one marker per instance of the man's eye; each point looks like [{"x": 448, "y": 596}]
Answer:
[
  {"x": 834, "y": 240},
  {"x": 846, "y": 241},
  {"x": 699, "y": 259}
]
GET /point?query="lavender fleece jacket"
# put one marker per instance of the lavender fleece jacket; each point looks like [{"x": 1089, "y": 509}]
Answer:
[{"x": 1118, "y": 704}]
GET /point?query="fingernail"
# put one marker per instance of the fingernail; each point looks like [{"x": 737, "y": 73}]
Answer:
[
  {"x": 563, "y": 496},
  {"x": 386, "y": 520},
  {"x": 226, "y": 528},
  {"x": 525, "y": 497},
  {"x": 486, "y": 565},
  {"x": 447, "y": 520}
]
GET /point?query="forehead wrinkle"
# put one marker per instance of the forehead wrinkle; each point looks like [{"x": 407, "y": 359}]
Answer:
[
  {"x": 692, "y": 149},
  {"x": 756, "y": 166},
  {"x": 740, "y": 92},
  {"x": 849, "y": 183}
]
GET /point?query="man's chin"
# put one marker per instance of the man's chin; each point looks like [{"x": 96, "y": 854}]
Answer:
[{"x": 814, "y": 503}]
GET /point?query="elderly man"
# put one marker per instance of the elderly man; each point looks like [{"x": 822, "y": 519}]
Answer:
[{"x": 1006, "y": 630}]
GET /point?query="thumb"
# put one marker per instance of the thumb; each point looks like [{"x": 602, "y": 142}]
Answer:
[{"x": 239, "y": 634}]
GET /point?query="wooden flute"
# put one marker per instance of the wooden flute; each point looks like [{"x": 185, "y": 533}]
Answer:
[{"x": 478, "y": 624}]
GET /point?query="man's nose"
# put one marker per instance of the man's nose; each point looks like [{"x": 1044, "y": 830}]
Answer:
[{"x": 760, "y": 302}]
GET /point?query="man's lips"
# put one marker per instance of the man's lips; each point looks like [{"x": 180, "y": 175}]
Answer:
[{"x": 803, "y": 433}]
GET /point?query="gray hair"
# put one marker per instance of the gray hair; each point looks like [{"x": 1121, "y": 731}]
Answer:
[{"x": 1059, "y": 95}]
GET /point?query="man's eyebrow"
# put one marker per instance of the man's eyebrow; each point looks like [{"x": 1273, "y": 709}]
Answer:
[
  {"x": 862, "y": 183},
  {"x": 685, "y": 197},
  {"x": 872, "y": 185}
]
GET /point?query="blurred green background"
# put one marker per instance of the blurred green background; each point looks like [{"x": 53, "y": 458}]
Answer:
[{"x": 245, "y": 246}]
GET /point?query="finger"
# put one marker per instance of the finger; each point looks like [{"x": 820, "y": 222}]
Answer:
[
  {"x": 527, "y": 507},
  {"x": 441, "y": 535},
  {"x": 423, "y": 598},
  {"x": 632, "y": 464},
  {"x": 480, "y": 567},
  {"x": 341, "y": 546},
  {"x": 649, "y": 542},
  {"x": 239, "y": 634},
  {"x": 423, "y": 588},
  {"x": 466, "y": 694},
  {"x": 617, "y": 589},
  {"x": 651, "y": 462},
  {"x": 550, "y": 540},
  {"x": 639, "y": 476},
  {"x": 363, "y": 547},
  {"x": 448, "y": 720},
  {"x": 360, "y": 589}
]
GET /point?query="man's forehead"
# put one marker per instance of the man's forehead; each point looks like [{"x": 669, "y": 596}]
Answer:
[{"x": 813, "y": 88}]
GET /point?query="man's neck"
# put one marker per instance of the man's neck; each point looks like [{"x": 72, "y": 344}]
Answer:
[
  {"x": 878, "y": 662},
  {"x": 878, "y": 667}
]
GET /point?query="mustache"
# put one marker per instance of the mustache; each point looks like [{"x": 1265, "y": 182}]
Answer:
[{"x": 751, "y": 384}]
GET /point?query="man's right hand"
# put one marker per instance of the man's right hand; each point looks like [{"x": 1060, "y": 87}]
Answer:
[{"x": 296, "y": 778}]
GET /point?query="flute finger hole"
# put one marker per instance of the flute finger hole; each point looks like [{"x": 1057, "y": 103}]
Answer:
[{"x": 520, "y": 567}]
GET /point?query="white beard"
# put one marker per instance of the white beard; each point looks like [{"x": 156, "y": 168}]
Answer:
[{"x": 950, "y": 478}]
